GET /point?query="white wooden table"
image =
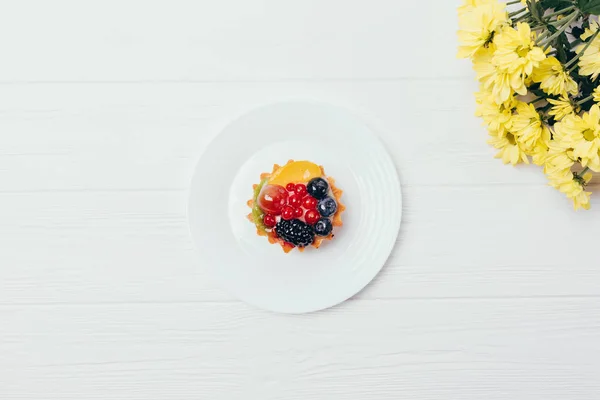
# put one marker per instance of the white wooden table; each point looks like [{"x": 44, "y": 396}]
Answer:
[{"x": 493, "y": 291}]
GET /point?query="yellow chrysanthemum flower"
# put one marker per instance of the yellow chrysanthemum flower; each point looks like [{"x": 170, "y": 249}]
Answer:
[
  {"x": 489, "y": 76},
  {"x": 516, "y": 50},
  {"x": 485, "y": 71},
  {"x": 589, "y": 62},
  {"x": 582, "y": 134},
  {"x": 468, "y": 5},
  {"x": 527, "y": 126},
  {"x": 573, "y": 189},
  {"x": 559, "y": 160},
  {"x": 596, "y": 94},
  {"x": 477, "y": 27},
  {"x": 516, "y": 56},
  {"x": 587, "y": 144},
  {"x": 589, "y": 31},
  {"x": 561, "y": 107},
  {"x": 511, "y": 151},
  {"x": 498, "y": 117},
  {"x": 540, "y": 153},
  {"x": 553, "y": 78},
  {"x": 503, "y": 87},
  {"x": 540, "y": 150}
]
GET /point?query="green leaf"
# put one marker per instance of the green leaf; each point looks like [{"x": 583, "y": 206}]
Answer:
[
  {"x": 534, "y": 9},
  {"x": 555, "y": 4},
  {"x": 563, "y": 42},
  {"x": 589, "y": 6}
]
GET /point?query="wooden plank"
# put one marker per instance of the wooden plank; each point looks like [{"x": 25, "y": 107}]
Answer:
[
  {"x": 96, "y": 247},
  {"x": 131, "y": 40},
  {"x": 413, "y": 349},
  {"x": 147, "y": 136}
]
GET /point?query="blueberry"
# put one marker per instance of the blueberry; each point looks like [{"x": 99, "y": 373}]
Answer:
[
  {"x": 323, "y": 227},
  {"x": 317, "y": 188},
  {"x": 327, "y": 207}
]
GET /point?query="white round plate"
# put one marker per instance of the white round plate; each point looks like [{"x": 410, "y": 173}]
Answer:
[{"x": 260, "y": 273}]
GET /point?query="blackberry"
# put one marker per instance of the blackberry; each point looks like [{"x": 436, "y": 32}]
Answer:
[
  {"x": 295, "y": 232},
  {"x": 317, "y": 188}
]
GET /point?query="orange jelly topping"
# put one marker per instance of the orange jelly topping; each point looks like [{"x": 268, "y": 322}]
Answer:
[{"x": 295, "y": 172}]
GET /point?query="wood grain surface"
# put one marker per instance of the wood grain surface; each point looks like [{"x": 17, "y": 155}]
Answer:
[{"x": 492, "y": 291}]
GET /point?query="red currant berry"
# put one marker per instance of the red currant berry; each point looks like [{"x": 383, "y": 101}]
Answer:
[
  {"x": 269, "y": 220},
  {"x": 310, "y": 203},
  {"x": 300, "y": 189},
  {"x": 298, "y": 212},
  {"x": 295, "y": 200},
  {"x": 311, "y": 217},
  {"x": 287, "y": 213},
  {"x": 290, "y": 187}
]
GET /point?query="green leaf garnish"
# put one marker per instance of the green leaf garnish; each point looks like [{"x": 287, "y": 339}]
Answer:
[{"x": 257, "y": 213}]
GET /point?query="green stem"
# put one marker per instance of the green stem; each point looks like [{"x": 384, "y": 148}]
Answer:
[
  {"x": 574, "y": 59},
  {"x": 511, "y": 14},
  {"x": 542, "y": 36},
  {"x": 562, "y": 22},
  {"x": 548, "y": 16},
  {"x": 578, "y": 176},
  {"x": 576, "y": 42},
  {"x": 513, "y": 2},
  {"x": 562, "y": 28},
  {"x": 523, "y": 18},
  {"x": 585, "y": 100}
]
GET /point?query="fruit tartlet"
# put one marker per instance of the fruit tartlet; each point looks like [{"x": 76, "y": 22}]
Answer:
[{"x": 296, "y": 205}]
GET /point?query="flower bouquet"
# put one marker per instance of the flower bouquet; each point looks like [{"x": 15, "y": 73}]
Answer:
[{"x": 537, "y": 63}]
